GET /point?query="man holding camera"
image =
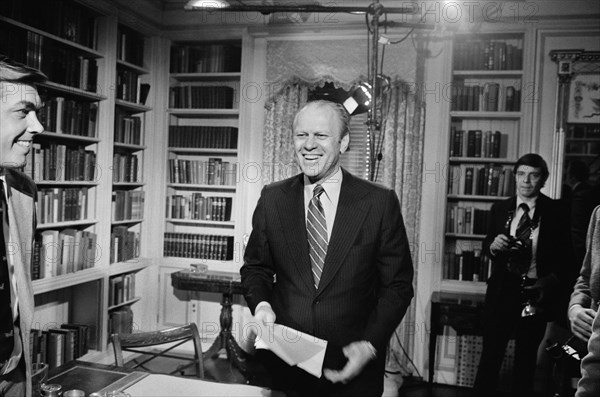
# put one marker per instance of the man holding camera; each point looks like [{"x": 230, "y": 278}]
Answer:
[{"x": 529, "y": 243}]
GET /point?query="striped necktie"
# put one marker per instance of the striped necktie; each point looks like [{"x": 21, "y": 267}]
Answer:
[
  {"x": 520, "y": 263},
  {"x": 524, "y": 226},
  {"x": 317, "y": 234}
]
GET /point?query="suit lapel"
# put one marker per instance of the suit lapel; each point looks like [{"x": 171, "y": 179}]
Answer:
[
  {"x": 291, "y": 212},
  {"x": 348, "y": 220}
]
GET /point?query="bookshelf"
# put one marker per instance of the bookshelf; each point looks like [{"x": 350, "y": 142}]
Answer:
[
  {"x": 128, "y": 194},
  {"x": 485, "y": 129},
  {"x": 202, "y": 158},
  {"x": 92, "y": 151},
  {"x": 202, "y": 221},
  {"x": 582, "y": 143}
]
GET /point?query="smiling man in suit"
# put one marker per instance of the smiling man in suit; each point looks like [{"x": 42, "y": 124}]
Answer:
[{"x": 328, "y": 256}]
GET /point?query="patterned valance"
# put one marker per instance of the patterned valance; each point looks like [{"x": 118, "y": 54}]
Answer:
[{"x": 343, "y": 61}]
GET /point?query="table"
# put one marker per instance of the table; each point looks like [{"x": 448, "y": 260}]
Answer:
[
  {"x": 461, "y": 311},
  {"x": 227, "y": 284},
  {"x": 92, "y": 377}
]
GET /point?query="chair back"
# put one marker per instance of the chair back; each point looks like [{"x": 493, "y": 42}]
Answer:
[{"x": 173, "y": 336}]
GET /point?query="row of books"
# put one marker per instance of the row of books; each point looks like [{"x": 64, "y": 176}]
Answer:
[
  {"x": 205, "y": 137},
  {"x": 467, "y": 219},
  {"x": 55, "y": 162},
  {"x": 488, "y": 55},
  {"x": 466, "y": 265},
  {"x": 199, "y": 246},
  {"x": 585, "y": 148},
  {"x": 201, "y": 97},
  {"x": 121, "y": 321},
  {"x": 583, "y": 130},
  {"x": 128, "y": 128},
  {"x": 488, "y": 180},
  {"x": 61, "y": 64},
  {"x": 130, "y": 87},
  {"x": 59, "y": 345},
  {"x": 130, "y": 46},
  {"x": 125, "y": 168},
  {"x": 67, "y": 116},
  {"x": 489, "y": 97},
  {"x": 213, "y": 58},
  {"x": 124, "y": 244},
  {"x": 121, "y": 289},
  {"x": 63, "y": 252},
  {"x": 478, "y": 143},
  {"x": 194, "y": 206},
  {"x": 213, "y": 171},
  {"x": 62, "y": 204},
  {"x": 63, "y": 18},
  {"x": 127, "y": 204}
]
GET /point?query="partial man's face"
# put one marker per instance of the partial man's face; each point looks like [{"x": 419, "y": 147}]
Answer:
[
  {"x": 18, "y": 122},
  {"x": 529, "y": 181},
  {"x": 318, "y": 144}
]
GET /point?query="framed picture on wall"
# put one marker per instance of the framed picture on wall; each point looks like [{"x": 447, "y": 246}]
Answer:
[{"x": 584, "y": 98}]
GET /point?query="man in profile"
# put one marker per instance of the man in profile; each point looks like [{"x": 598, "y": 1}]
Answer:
[{"x": 18, "y": 125}]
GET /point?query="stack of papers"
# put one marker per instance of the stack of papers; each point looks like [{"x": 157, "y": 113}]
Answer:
[{"x": 293, "y": 347}]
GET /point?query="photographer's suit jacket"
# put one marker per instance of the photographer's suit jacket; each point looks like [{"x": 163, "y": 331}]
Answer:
[
  {"x": 21, "y": 213},
  {"x": 554, "y": 265},
  {"x": 366, "y": 285}
]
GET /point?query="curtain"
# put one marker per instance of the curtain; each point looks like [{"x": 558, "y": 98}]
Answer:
[
  {"x": 401, "y": 169},
  {"x": 278, "y": 151}
]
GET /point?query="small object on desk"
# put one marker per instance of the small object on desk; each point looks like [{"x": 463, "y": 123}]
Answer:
[
  {"x": 50, "y": 390},
  {"x": 200, "y": 268},
  {"x": 74, "y": 393}
]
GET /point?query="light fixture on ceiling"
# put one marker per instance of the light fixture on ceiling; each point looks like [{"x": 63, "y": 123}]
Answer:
[
  {"x": 268, "y": 7},
  {"x": 205, "y": 4}
]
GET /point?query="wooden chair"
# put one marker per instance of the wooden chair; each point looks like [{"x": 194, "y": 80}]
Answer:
[{"x": 173, "y": 336}]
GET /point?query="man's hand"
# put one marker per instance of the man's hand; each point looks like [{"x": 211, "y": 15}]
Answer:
[
  {"x": 581, "y": 321},
  {"x": 359, "y": 354},
  {"x": 501, "y": 243},
  {"x": 265, "y": 314}
]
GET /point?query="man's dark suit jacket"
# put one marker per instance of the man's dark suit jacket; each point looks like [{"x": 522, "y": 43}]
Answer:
[
  {"x": 553, "y": 257},
  {"x": 366, "y": 285}
]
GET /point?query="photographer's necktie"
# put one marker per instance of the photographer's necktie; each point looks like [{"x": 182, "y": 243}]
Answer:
[
  {"x": 524, "y": 227},
  {"x": 523, "y": 234},
  {"x": 317, "y": 234}
]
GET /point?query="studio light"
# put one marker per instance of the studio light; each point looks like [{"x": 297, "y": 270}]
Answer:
[{"x": 359, "y": 99}]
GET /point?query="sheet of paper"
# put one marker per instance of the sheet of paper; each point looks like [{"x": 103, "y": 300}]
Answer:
[{"x": 293, "y": 347}]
